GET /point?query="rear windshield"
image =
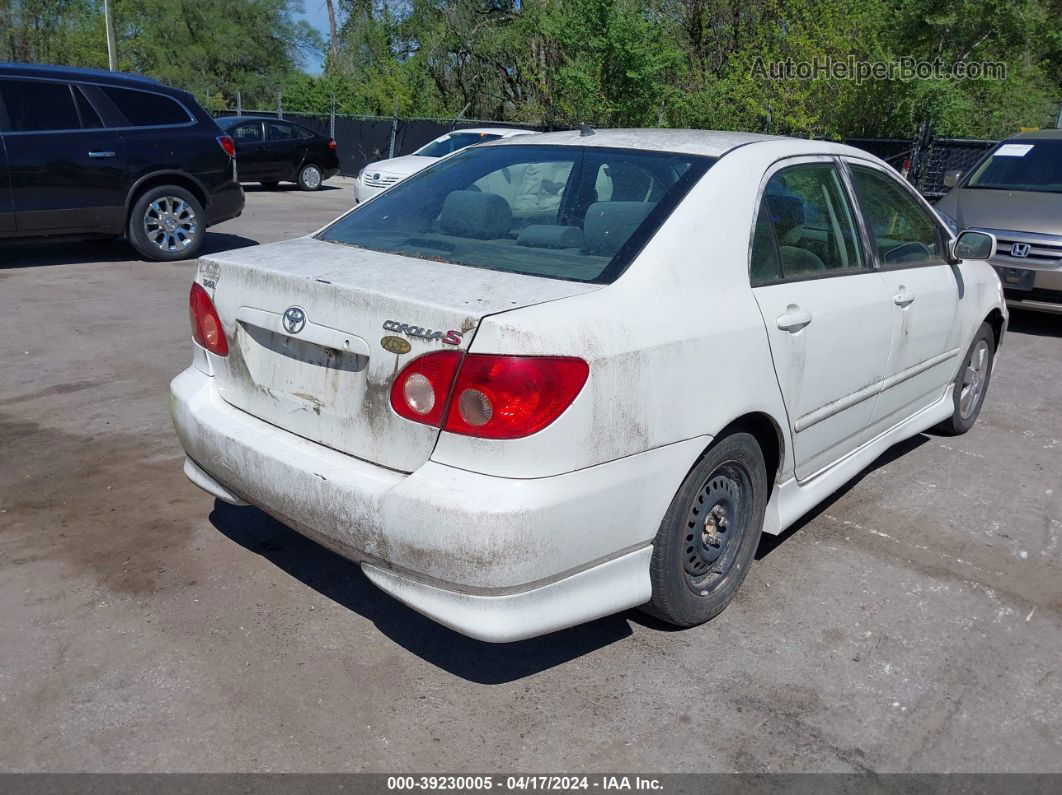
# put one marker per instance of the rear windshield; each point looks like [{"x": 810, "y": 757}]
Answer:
[
  {"x": 1023, "y": 164},
  {"x": 452, "y": 143},
  {"x": 563, "y": 212}
]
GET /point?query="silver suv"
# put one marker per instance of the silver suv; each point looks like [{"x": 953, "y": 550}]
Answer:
[{"x": 1015, "y": 193}]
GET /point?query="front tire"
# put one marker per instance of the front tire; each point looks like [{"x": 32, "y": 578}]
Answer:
[
  {"x": 167, "y": 224},
  {"x": 310, "y": 177},
  {"x": 709, "y": 535},
  {"x": 971, "y": 384}
]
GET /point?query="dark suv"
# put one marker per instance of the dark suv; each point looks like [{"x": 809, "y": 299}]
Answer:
[{"x": 86, "y": 152}]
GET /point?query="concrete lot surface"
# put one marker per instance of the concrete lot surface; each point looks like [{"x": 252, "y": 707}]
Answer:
[{"x": 912, "y": 623}]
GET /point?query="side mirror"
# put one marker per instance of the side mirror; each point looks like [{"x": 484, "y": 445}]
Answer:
[
  {"x": 952, "y": 177},
  {"x": 973, "y": 245}
]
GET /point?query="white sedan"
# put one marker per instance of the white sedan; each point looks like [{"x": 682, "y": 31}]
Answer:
[
  {"x": 558, "y": 376},
  {"x": 377, "y": 177}
]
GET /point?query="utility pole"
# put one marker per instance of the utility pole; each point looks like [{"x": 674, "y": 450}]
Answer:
[
  {"x": 112, "y": 47},
  {"x": 333, "y": 36}
]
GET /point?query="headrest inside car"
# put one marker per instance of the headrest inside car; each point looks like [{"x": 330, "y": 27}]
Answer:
[
  {"x": 471, "y": 213},
  {"x": 549, "y": 236},
  {"x": 608, "y": 225}
]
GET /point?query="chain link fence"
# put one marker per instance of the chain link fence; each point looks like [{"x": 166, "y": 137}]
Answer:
[{"x": 925, "y": 162}]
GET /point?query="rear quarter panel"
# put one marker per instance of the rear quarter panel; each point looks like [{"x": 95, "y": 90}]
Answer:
[{"x": 676, "y": 346}]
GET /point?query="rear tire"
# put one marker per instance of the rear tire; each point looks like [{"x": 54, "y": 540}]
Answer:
[
  {"x": 709, "y": 535},
  {"x": 271, "y": 185},
  {"x": 971, "y": 384},
  {"x": 310, "y": 177},
  {"x": 166, "y": 224}
]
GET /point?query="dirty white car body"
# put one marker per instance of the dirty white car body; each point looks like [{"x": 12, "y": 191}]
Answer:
[
  {"x": 377, "y": 177},
  {"x": 503, "y": 539}
]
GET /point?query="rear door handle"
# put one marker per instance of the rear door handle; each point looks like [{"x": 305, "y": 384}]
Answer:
[
  {"x": 100, "y": 155},
  {"x": 904, "y": 298},
  {"x": 794, "y": 320}
]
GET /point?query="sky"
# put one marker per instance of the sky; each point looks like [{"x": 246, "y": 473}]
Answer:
[{"x": 316, "y": 13}]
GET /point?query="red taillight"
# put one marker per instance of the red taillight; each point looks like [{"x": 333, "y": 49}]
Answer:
[
  {"x": 493, "y": 397},
  {"x": 226, "y": 143},
  {"x": 206, "y": 325},
  {"x": 421, "y": 389},
  {"x": 331, "y": 143}
]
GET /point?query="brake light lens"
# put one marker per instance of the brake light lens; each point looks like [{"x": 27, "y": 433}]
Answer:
[
  {"x": 421, "y": 389},
  {"x": 492, "y": 397},
  {"x": 206, "y": 325},
  {"x": 226, "y": 143},
  {"x": 331, "y": 143}
]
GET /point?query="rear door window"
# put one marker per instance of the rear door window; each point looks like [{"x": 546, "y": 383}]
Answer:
[
  {"x": 39, "y": 106},
  {"x": 765, "y": 266},
  {"x": 564, "y": 212},
  {"x": 146, "y": 108},
  {"x": 248, "y": 133},
  {"x": 813, "y": 222}
]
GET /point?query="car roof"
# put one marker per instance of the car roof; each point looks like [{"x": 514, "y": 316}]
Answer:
[
  {"x": 8, "y": 69},
  {"x": 1038, "y": 135},
  {"x": 712, "y": 143},
  {"x": 234, "y": 120},
  {"x": 492, "y": 131}
]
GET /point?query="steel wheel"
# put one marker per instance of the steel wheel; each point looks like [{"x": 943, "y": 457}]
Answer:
[
  {"x": 974, "y": 379},
  {"x": 171, "y": 224},
  {"x": 718, "y": 515}
]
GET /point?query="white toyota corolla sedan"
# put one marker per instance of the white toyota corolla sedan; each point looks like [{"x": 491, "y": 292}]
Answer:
[{"x": 557, "y": 376}]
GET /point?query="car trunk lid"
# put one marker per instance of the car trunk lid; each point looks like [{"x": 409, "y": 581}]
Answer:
[{"x": 325, "y": 372}]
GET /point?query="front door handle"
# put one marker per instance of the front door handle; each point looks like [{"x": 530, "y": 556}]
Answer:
[
  {"x": 794, "y": 320},
  {"x": 100, "y": 155},
  {"x": 904, "y": 298}
]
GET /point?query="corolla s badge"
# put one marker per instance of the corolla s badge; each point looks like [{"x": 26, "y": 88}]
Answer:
[
  {"x": 294, "y": 319},
  {"x": 1020, "y": 250},
  {"x": 451, "y": 337}
]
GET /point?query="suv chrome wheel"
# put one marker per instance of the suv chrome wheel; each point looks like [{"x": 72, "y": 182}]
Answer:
[{"x": 171, "y": 224}]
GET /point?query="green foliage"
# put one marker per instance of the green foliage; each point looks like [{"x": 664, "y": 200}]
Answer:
[
  {"x": 209, "y": 48},
  {"x": 689, "y": 63}
]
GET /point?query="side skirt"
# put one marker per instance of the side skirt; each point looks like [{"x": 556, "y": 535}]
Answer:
[{"x": 791, "y": 499}]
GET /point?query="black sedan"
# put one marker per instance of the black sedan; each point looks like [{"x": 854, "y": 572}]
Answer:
[{"x": 271, "y": 151}]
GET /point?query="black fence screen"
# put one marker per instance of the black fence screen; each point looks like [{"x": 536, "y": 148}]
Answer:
[{"x": 361, "y": 140}]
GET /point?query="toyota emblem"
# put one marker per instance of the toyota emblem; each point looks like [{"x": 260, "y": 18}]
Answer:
[{"x": 294, "y": 319}]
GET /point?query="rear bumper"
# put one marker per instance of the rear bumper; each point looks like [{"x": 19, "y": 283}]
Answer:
[
  {"x": 498, "y": 559},
  {"x": 226, "y": 202}
]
